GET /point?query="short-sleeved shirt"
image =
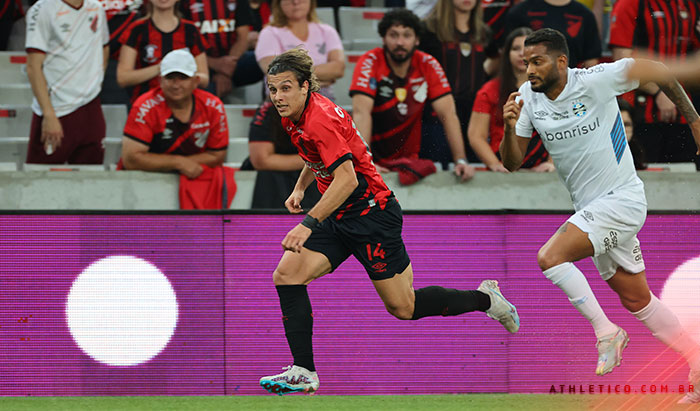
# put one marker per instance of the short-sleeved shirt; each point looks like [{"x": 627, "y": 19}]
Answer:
[
  {"x": 151, "y": 122},
  {"x": 73, "y": 40},
  {"x": 583, "y": 131},
  {"x": 574, "y": 20},
  {"x": 120, "y": 14},
  {"x": 218, "y": 20},
  {"x": 266, "y": 127},
  {"x": 152, "y": 45},
  {"x": 663, "y": 29},
  {"x": 325, "y": 137},
  {"x": 488, "y": 102},
  {"x": 398, "y": 102},
  {"x": 322, "y": 39}
]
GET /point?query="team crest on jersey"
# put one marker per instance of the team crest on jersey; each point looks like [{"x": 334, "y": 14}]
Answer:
[
  {"x": 231, "y": 6},
  {"x": 579, "y": 109},
  {"x": 150, "y": 56},
  {"x": 372, "y": 83}
]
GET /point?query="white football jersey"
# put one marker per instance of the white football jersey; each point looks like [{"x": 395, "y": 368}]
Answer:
[
  {"x": 583, "y": 131},
  {"x": 73, "y": 40}
]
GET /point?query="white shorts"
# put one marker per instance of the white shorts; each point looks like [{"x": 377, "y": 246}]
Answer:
[{"x": 612, "y": 223}]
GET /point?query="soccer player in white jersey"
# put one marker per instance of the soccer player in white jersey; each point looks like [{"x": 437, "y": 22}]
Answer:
[
  {"x": 67, "y": 49},
  {"x": 576, "y": 114}
]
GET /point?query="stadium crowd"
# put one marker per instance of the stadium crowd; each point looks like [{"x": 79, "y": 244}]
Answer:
[{"x": 462, "y": 56}]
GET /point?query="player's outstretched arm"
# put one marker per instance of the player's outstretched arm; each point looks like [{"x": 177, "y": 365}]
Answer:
[
  {"x": 513, "y": 147},
  {"x": 673, "y": 90}
]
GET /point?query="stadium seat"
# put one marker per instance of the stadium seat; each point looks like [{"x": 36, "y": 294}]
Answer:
[
  {"x": 237, "y": 150},
  {"x": 327, "y": 15},
  {"x": 359, "y": 25},
  {"x": 13, "y": 67},
  {"x": 15, "y": 121},
  {"x": 115, "y": 119},
  {"x": 239, "y": 117},
  {"x": 113, "y": 150},
  {"x": 18, "y": 94},
  {"x": 13, "y": 150},
  {"x": 342, "y": 85},
  {"x": 8, "y": 166}
]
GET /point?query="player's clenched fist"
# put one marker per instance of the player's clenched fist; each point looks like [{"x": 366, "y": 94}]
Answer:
[
  {"x": 511, "y": 110},
  {"x": 293, "y": 203}
]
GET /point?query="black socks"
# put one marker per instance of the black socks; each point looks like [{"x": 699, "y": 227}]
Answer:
[
  {"x": 434, "y": 300},
  {"x": 298, "y": 323}
]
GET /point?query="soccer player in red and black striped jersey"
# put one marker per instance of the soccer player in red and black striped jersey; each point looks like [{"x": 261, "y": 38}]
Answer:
[
  {"x": 175, "y": 126},
  {"x": 667, "y": 31},
  {"x": 391, "y": 87},
  {"x": 225, "y": 25},
  {"x": 356, "y": 215},
  {"x": 147, "y": 40}
]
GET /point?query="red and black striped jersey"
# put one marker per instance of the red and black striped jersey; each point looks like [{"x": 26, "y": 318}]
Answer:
[
  {"x": 120, "y": 14},
  {"x": 151, "y": 122},
  {"x": 398, "y": 102},
  {"x": 495, "y": 17},
  {"x": 152, "y": 45},
  {"x": 218, "y": 20},
  {"x": 665, "y": 29},
  {"x": 325, "y": 137}
]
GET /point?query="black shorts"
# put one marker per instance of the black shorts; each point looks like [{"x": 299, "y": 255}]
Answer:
[{"x": 374, "y": 239}]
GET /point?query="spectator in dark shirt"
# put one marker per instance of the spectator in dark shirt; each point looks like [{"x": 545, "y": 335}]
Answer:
[
  {"x": 225, "y": 25},
  {"x": 276, "y": 159},
  {"x": 569, "y": 17},
  {"x": 457, "y": 37}
]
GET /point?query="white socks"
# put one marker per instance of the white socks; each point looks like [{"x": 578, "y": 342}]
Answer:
[
  {"x": 574, "y": 284},
  {"x": 664, "y": 325}
]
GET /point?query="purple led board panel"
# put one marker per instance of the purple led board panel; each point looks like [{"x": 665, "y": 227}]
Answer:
[
  {"x": 41, "y": 257},
  {"x": 227, "y": 331}
]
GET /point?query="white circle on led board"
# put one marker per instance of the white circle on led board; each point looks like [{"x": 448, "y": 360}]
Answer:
[
  {"x": 681, "y": 293},
  {"x": 121, "y": 310}
]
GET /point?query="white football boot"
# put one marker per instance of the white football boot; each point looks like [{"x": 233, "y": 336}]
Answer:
[
  {"x": 500, "y": 309},
  {"x": 694, "y": 396},
  {"x": 610, "y": 351},
  {"x": 293, "y": 379}
]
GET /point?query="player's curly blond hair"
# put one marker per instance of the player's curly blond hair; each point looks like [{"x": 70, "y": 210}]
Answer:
[{"x": 298, "y": 61}]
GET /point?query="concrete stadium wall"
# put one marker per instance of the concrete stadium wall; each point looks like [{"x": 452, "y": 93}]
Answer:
[{"x": 134, "y": 190}]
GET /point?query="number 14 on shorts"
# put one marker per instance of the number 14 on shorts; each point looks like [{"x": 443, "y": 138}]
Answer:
[{"x": 378, "y": 251}]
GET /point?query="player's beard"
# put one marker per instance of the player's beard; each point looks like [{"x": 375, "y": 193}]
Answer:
[
  {"x": 547, "y": 82},
  {"x": 400, "y": 59}
]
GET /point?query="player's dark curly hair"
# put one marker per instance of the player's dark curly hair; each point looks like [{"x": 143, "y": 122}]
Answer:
[
  {"x": 298, "y": 61},
  {"x": 552, "y": 39},
  {"x": 400, "y": 17}
]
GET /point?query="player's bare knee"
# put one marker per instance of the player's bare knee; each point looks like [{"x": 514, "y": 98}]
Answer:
[
  {"x": 283, "y": 277},
  {"x": 633, "y": 301},
  {"x": 401, "y": 311},
  {"x": 547, "y": 259}
]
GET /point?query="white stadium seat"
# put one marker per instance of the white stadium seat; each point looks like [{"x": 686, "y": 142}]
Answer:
[
  {"x": 342, "y": 85},
  {"x": 326, "y": 15},
  {"x": 359, "y": 25},
  {"x": 13, "y": 67}
]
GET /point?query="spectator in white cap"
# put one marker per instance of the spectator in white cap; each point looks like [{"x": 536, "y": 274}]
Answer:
[{"x": 175, "y": 127}]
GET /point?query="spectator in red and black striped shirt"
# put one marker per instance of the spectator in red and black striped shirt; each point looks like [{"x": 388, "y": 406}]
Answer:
[
  {"x": 668, "y": 32},
  {"x": 225, "y": 25},
  {"x": 147, "y": 40}
]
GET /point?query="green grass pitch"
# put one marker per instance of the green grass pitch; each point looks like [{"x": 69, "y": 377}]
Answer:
[{"x": 535, "y": 402}]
